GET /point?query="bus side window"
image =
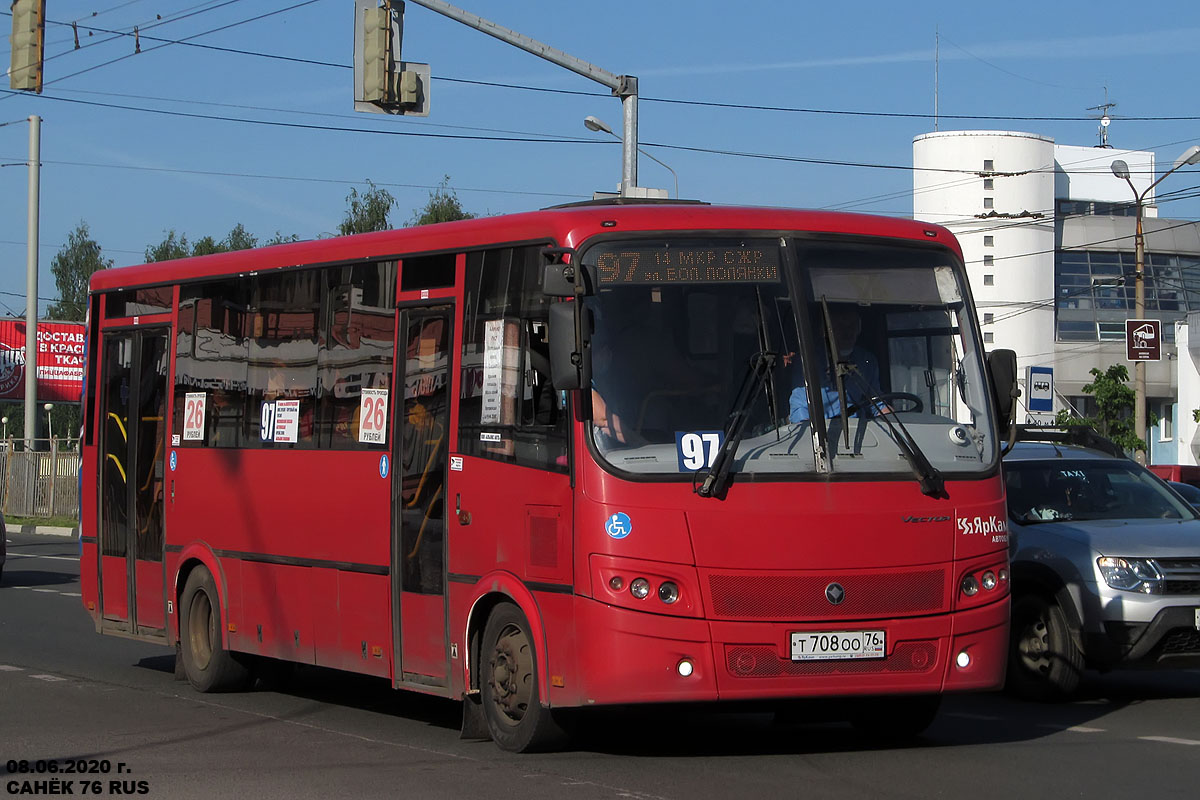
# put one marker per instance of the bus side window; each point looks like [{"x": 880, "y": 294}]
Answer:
[{"x": 506, "y": 387}]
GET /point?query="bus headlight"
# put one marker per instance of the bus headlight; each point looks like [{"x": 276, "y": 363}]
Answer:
[{"x": 639, "y": 588}]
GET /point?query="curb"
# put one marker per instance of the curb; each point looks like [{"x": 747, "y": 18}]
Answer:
[{"x": 43, "y": 530}]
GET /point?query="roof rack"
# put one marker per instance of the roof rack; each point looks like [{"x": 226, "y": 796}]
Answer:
[{"x": 1077, "y": 435}]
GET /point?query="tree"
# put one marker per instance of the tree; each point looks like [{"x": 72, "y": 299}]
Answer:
[
  {"x": 171, "y": 247},
  {"x": 72, "y": 267},
  {"x": 368, "y": 211},
  {"x": 239, "y": 239},
  {"x": 1114, "y": 408},
  {"x": 443, "y": 206},
  {"x": 280, "y": 238}
]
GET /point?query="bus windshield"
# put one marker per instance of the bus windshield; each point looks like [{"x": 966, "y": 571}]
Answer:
[{"x": 815, "y": 355}]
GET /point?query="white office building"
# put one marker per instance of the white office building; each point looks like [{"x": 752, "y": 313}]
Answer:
[{"x": 1047, "y": 232}]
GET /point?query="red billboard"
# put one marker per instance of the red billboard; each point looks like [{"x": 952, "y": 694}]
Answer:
[{"x": 59, "y": 361}]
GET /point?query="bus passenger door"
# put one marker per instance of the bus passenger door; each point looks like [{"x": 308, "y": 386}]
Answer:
[
  {"x": 133, "y": 439},
  {"x": 419, "y": 495}
]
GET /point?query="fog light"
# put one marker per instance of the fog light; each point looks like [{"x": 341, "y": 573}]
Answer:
[
  {"x": 963, "y": 660},
  {"x": 639, "y": 588},
  {"x": 616, "y": 583},
  {"x": 668, "y": 593},
  {"x": 989, "y": 580},
  {"x": 685, "y": 668},
  {"x": 970, "y": 586}
]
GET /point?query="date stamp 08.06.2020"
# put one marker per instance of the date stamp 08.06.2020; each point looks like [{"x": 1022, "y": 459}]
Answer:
[{"x": 71, "y": 776}]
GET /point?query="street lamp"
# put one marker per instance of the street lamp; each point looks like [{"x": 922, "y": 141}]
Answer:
[
  {"x": 49, "y": 423},
  {"x": 596, "y": 124},
  {"x": 1121, "y": 170},
  {"x": 4, "y": 420}
]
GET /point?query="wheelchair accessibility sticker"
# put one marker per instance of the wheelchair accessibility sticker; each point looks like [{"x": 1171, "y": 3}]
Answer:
[{"x": 618, "y": 526}]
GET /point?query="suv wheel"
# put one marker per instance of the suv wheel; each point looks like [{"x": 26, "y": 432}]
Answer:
[{"x": 1043, "y": 663}]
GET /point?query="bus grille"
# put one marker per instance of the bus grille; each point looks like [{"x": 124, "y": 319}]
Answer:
[
  {"x": 763, "y": 661},
  {"x": 802, "y": 597}
]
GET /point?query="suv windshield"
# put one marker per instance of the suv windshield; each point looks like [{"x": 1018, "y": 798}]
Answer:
[
  {"x": 1050, "y": 490},
  {"x": 695, "y": 340}
]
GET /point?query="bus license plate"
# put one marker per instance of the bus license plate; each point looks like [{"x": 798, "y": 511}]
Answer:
[{"x": 834, "y": 645}]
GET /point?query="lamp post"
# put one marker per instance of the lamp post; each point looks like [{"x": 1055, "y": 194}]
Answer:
[
  {"x": 4, "y": 421},
  {"x": 49, "y": 423},
  {"x": 596, "y": 124},
  {"x": 1121, "y": 170}
]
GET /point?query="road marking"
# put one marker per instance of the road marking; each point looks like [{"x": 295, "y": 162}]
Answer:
[
  {"x": 47, "y": 591},
  {"x": 10, "y": 668},
  {"x": 1169, "y": 740},
  {"x": 48, "y": 677},
  {"x": 1073, "y": 728},
  {"x": 70, "y": 594},
  {"x": 52, "y": 558}
]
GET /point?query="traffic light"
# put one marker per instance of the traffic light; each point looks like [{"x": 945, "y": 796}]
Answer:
[
  {"x": 27, "y": 40},
  {"x": 378, "y": 82}
]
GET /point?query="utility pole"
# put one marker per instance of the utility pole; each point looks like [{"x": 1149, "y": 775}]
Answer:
[
  {"x": 31, "y": 281},
  {"x": 622, "y": 86}
]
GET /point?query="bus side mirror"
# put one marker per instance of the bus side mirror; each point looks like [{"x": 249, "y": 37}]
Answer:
[
  {"x": 568, "y": 337},
  {"x": 1002, "y": 367},
  {"x": 558, "y": 280}
]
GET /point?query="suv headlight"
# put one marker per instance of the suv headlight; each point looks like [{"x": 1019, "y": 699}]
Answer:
[{"x": 1131, "y": 574}]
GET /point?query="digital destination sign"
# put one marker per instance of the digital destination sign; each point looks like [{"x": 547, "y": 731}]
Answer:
[{"x": 687, "y": 264}]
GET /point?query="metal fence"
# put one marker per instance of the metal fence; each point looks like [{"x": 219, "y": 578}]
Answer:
[{"x": 40, "y": 483}]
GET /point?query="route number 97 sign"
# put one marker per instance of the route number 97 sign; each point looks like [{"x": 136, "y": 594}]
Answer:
[{"x": 372, "y": 416}]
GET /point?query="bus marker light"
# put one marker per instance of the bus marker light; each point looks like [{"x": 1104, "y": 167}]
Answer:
[
  {"x": 639, "y": 588},
  {"x": 232, "y": 627},
  {"x": 616, "y": 583},
  {"x": 989, "y": 580},
  {"x": 668, "y": 592},
  {"x": 685, "y": 668},
  {"x": 963, "y": 660}
]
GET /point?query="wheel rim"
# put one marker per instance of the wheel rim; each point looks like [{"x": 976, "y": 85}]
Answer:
[
  {"x": 511, "y": 674},
  {"x": 1034, "y": 646},
  {"x": 201, "y": 629}
]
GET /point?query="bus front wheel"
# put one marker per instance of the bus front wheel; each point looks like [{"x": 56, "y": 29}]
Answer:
[
  {"x": 208, "y": 666},
  {"x": 516, "y": 719}
]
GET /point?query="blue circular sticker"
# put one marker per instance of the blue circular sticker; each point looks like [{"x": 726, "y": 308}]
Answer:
[
  {"x": 618, "y": 526},
  {"x": 383, "y": 466},
  {"x": 174, "y": 459}
]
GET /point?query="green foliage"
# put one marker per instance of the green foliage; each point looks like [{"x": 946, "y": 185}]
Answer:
[
  {"x": 171, "y": 247},
  {"x": 368, "y": 211},
  {"x": 280, "y": 238},
  {"x": 443, "y": 206},
  {"x": 1114, "y": 408},
  {"x": 176, "y": 245},
  {"x": 72, "y": 267}
]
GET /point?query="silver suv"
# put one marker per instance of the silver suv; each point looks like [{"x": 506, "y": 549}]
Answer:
[{"x": 1105, "y": 563}]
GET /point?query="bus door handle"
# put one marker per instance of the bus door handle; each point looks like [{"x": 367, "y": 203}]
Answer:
[{"x": 464, "y": 517}]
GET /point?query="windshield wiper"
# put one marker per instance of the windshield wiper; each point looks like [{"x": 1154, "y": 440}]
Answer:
[
  {"x": 762, "y": 364},
  {"x": 930, "y": 478}
]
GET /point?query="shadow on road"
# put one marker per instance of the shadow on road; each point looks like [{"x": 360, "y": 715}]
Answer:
[{"x": 34, "y": 577}]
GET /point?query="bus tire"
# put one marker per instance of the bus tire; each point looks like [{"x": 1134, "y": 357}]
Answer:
[
  {"x": 208, "y": 666},
  {"x": 1043, "y": 662},
  {"x": 895, "y": 719},
  {"x": 516, "y": 719}
]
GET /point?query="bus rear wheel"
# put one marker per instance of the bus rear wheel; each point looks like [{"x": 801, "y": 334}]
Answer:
[
  {"x": 516, "y": 719},
  {"x": 208, "y": 666}
]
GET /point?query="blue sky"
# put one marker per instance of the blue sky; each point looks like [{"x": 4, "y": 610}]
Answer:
[{"x": 131, "y": 175}]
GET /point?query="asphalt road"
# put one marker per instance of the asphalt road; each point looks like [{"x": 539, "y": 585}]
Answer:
[{"x": 68, "y": 694}]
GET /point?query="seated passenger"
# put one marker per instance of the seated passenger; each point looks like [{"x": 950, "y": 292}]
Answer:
[{"x": 860, "y": 384}]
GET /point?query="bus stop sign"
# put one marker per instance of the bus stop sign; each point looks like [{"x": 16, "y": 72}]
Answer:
[{"x": 1143, "y": 340}]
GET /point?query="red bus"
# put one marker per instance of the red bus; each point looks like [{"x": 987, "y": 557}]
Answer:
[{"x": 560, "y": 459}]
